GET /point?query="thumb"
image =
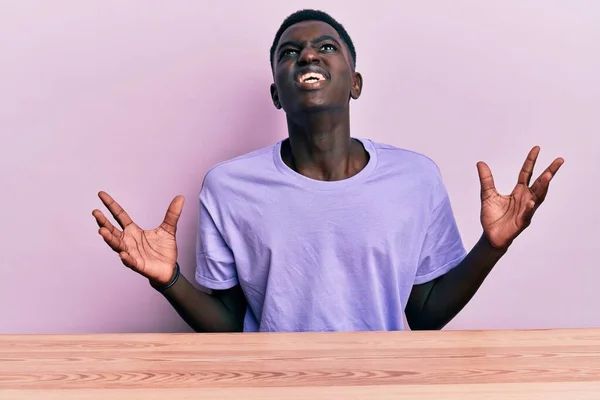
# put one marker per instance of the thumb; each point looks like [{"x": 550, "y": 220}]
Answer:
[
  {"x": 169, "y": 224},
  {"x": 486, "y": 180}
]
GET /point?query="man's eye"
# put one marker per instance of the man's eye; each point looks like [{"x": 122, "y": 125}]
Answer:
[
  {"x": 328, "y": 47},
  {"x": 288, "y": 52}
]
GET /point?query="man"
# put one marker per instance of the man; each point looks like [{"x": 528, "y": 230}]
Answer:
[{"x": 323, "y": 231}]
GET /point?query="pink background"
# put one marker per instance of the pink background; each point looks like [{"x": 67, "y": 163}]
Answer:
[{"x": 141, "y": 98}]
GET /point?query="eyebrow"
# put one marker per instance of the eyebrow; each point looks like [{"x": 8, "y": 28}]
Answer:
[{"x": 297, "y": 43}]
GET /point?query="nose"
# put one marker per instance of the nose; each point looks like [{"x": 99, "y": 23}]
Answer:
[{"x": 308, "y": 55}]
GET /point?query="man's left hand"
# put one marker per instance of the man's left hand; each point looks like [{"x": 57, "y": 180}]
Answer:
[{"x": 504, "y": 217}]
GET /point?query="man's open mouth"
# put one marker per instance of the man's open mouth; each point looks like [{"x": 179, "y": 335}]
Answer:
[{"x": 311, "y": 77}]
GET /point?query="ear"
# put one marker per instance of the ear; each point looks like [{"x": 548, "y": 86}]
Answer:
[
  {"x": 275, "y": 96},
  {"x": 357, "y": 84}
]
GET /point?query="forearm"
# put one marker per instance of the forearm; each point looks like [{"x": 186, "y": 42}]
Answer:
[
  {"x": 451, "y": 292},
  {"x": 201, "y": 311}
]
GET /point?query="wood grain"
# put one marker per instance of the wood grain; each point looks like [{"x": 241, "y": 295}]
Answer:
[{"x": 457, "y": 364}]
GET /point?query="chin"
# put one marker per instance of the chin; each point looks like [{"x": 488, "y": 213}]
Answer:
[
  {"x": 323, "y": 107},
  {"x": 313, "y": 108},
  {"x": 315, "y": 103}
]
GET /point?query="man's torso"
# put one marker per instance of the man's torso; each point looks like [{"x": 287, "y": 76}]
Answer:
[{"x": 320, "y": 256}]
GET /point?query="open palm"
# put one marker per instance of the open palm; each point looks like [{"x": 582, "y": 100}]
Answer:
[
  {"x": 504, "y": 217},
  {"x": 152, "y": 253}
]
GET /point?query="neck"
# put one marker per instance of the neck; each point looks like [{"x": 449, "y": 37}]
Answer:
[{"x": 320, "y": 146}]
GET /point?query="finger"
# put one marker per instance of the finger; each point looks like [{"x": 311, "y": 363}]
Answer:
[
  {"x": 528, "y": 165},
  {"x": 541, "y": 184},
  {"x": 115, "y": 209},
  {"x": 128, "y": 260},
  {"x": 555, "y": 166},
  {"x": 113, "y": 241},
  {"x": 486, "y": 180},
  {"x": 172, "y": 216},
  {"x": 103, "y": 222}
]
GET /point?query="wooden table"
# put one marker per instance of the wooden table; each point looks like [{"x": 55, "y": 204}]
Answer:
[{"x": 535, "y": 364}]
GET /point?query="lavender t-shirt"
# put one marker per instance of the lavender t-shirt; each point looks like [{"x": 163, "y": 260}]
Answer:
[{"x": 325, "y": 256}]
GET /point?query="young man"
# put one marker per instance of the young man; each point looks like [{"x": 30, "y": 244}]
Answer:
[{"x": 323, "y": 231}]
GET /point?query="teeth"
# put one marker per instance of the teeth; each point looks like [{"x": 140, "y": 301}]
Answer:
[{"x": 312, "y": 77}]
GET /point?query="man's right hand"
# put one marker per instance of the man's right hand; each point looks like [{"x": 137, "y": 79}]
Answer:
[{"x": 151, "y": 253}]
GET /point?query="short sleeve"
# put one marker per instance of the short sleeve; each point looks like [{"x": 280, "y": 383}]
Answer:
[
  {"x": 442, "y": 248},
  {"x": 215, "y": 263}
]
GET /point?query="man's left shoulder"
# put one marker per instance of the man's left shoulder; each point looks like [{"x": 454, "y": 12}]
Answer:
[{"x": 401, "y": 159}]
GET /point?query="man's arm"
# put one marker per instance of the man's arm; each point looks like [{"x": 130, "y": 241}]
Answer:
[
  {"x": 221, "y": 311},
  {"x": 503, "y": 217},
  {"x": 433, "y": 304}
]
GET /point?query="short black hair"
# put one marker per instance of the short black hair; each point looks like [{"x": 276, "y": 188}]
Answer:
[{"x": 314, "y": 15}]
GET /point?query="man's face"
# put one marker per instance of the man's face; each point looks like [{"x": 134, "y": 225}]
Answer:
[{"x": 313, "y": 70}]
